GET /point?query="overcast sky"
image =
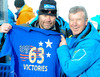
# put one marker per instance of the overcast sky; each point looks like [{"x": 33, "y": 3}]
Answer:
[{"x": 92, "y": 6}]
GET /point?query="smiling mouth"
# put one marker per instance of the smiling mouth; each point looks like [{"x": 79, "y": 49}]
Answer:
[
  {"x": 75, "y": 28},
  {"x": 47, "y": 24}
]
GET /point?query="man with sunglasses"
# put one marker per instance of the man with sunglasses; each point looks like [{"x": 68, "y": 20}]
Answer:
[
  {"x": 44, "y": 64},
  {"x": 47, "y": 18}
]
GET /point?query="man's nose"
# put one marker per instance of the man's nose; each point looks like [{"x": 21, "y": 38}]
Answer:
[
  {"x": 48, "y": 18},
  {"x": 75, "y": 22}
]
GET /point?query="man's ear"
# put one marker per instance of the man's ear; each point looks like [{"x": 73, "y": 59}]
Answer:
[{"x": 86, "y": 22}]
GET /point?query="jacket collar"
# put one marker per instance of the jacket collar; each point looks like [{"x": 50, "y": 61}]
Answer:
[{"x": 29, "y": 29}]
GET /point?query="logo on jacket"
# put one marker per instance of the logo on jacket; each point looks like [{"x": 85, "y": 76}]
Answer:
[{"x": 78, "y": 55}]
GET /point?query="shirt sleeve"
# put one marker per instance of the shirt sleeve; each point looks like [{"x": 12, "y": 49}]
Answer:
[{"x": 7, "y": 48}]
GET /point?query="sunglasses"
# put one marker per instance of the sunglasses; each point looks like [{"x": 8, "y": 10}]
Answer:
[{"x": 49, "y": 11}]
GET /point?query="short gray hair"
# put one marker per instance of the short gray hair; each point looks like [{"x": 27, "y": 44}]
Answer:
[{"x": 76, "y": 9}]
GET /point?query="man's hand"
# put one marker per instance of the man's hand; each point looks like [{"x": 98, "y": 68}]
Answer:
[
  {"x": 4, "y": 28},
  {"x": 63, "y": 41}
]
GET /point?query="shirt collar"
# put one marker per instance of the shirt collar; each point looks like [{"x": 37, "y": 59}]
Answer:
[{"x": 46, "y": 32}]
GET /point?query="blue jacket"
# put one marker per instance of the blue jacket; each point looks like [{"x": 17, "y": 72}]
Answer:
[
  {"x": 82, "y": 56},
  {"x": 11, "y": 18},
  {"x": 97, "y": 19}
]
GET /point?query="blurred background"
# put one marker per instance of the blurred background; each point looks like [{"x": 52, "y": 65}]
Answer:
[{"x": 92, "y": 6}]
